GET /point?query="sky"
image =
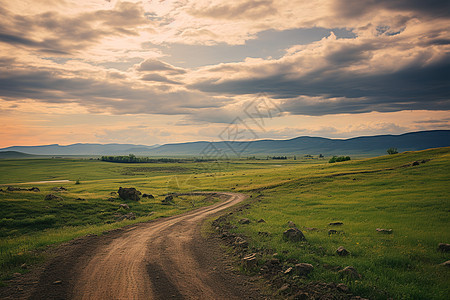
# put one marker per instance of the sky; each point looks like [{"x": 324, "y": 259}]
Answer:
[{"x": 162, "y": 71}]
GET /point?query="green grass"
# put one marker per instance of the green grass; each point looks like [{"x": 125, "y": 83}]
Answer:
[
  {"x": 413, "y": 201},
  {"x": 382, "y": 192}
]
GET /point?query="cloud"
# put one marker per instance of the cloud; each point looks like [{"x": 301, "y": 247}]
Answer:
[
  {"x": 238, "y": 10},
  {"x": 63, "y": 34},
  {"x": 157, "y": 65},
  {"x": 158, "y": 78}
]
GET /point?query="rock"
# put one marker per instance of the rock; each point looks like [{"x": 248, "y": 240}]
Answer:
[
  {"x": 129, "y": 194},
  {"x": 250, "y": 262},
  {"x": 167, "y": 200},
  {"x": 11, "y": 189},
  {"x": 341, "y": 251},
  {"x": 261, "y": 221},
  {"x": 113, "y": 194},
  {"x": 446, "y": 264},
  {"x": 244, "y": 221},
  {"x": 128, "y": 216},
  {"x": 350, "y": 272},
  {"x": 52, "y": 197},
  {"x": 240, "y": 242},
  {"x": 284, "y": 288},
  {"x": 332, "y": 231},
  {"x": 17, "y": 274},
  {"x": 57, "y": 282},
  {"x": 263, "y": 233},
  {"x": 81, "y": 199},
  {"x": 291, "y": 224},
  {"x": 342, "y": 287},
  {"x": 294, "y": 235},
  {"x": 23, "y": 266},
  {"x": 442, "y": 247},
  {"x": 111, "y": 199},
  {"x": 336, "y": 223},
  {"x": 311, "y": 229},
  {"x": 59, "y": 189},
  {"x": 416, "y": 163},
  {"x": 288, "y": 271},
  {"x": 125, "y": 206},
  {"x": 34, "y": 189},
  {"x": 303, "y": 269},
  {"x": 385, "y": 231},
  {"x": 150, "y": 196}
]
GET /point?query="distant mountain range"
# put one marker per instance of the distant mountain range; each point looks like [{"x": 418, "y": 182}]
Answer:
[{"x": 366, "y": 146}]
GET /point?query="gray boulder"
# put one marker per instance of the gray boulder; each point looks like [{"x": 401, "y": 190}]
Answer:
[{"x": 129, "y": 194}]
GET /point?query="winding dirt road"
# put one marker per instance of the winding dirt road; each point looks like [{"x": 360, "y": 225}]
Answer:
[{"x": 163, "y": 259}]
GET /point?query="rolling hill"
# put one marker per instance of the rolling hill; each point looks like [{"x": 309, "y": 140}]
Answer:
[{"x": 367, "y": 145}]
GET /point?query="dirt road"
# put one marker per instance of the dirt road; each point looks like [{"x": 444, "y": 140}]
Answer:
[{"x": 164, "y": 259}]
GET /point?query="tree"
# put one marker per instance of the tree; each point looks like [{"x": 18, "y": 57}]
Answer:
[{"x": 392, "y": 151}]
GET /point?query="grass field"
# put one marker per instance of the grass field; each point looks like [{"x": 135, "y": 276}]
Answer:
[{"x": 385, "y": 192}]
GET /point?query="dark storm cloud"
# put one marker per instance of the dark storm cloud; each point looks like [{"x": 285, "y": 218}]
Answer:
[
  {"x": 429, "y": 8},
  {"x": 51, "y": 86},
  {"x": 65, "y": 34},
  {"x": 337, "y": 91}
]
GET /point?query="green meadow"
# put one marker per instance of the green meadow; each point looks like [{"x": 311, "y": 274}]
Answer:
[{"x": 384, "y": 192}]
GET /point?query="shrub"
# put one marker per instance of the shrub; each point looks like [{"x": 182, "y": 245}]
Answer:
[
  {"x": 338, "y": 159},
  {"x": 392, "y": 150}
]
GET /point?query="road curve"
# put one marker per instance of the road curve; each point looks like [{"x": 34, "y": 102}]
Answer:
[{"x": 156, "y": 260}]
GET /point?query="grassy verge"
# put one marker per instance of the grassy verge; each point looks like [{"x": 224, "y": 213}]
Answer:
[{"x": 387, "y": 192}]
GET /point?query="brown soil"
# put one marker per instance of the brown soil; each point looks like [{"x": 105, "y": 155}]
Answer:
[{"x": 163, "y": 259}]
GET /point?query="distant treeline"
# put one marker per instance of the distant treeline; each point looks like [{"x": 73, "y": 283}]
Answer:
[{"x": 134, "y": 159}]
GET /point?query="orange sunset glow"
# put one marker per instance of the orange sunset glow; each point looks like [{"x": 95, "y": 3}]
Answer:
[{"x": 155, "y": 72}]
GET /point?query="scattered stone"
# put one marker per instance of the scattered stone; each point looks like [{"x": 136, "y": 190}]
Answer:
[
  {"x": 150, "y": 196},
  {"x": 125, "y": 206},
  {"x": 113, "y": 194},
  {"x": 250, "y": 262},
  {"x": 129, "y": 194},
  {"x": 11, "y": 189},
  {"x": 1, "y": 190},
  {"x": 34, "y": 189},
  {"x": 341, "y": 251},
  {"x": 385, "y": 231},
  {"x": 444, "y": 247},
  {"x": 244, "y": 221},
  {"x": 111, "y": 199},
  {"x": 23, "y": 266},
  {"x": 284, "y": 288},
  {"x": 52, "y": 197},
  {"x": 291, "y": 224},
  {"x": 416, "y": 163},
  {"x": 81, "y": 199},
  {"x": 446, "y": 264},
  {"x": 128, "y": 216},
  {"x": 332, "y": 231},
  {"x": 336, "y": 223},
  {"x": 59, "y": 189},
  {"x": 263, "y": 233},
  {"x": 311, "y": 229},
  {"x": 294, "y": 235},
  {"x": 167, "y": 200},
  {"x": 288, "y": 271},
  {"x": 240, "y": 242},
  {"x": 342, "y": 287},
  {"x": 57, "y": 282},
  {"x": 303, "y": 269},
  {"x": 350, "y": 272},
  {"x": 261, "y": 221}
]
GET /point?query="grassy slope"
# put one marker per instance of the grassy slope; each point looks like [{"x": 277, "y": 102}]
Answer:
[
  {"x": 413, "y": 201},
  {"x": 375, "y": 193}
]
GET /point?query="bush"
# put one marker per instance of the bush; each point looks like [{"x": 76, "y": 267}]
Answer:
[
  {"x": 338, "y": 159},
  {"x": 392, "y": 151}
]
